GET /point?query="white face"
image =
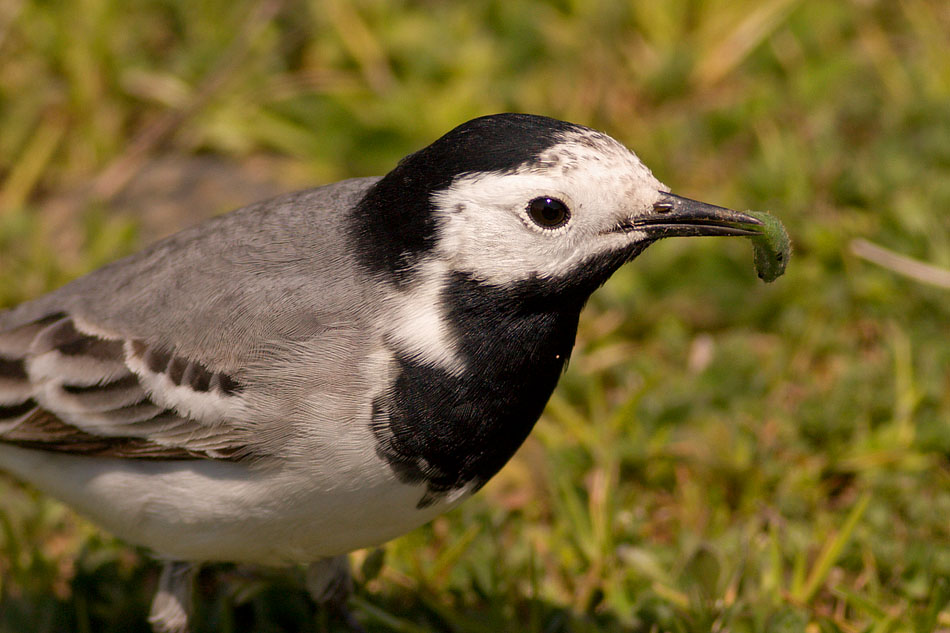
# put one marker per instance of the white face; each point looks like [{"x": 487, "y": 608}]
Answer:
[{"x": 487, "y": 229}]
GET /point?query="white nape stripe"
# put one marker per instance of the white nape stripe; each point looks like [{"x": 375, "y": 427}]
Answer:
[{"x": 415, "y": 321}]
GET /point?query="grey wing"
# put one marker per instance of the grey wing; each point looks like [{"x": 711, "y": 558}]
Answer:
[
  {"x": 66, "y": 390},
  {"x": 192, "y": 348}
]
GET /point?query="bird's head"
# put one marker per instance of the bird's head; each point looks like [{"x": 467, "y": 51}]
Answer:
[{"x": 513, "y": 197}]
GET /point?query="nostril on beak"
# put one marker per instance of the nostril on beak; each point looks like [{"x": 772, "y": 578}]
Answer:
[{"x": 662, "y": 207}]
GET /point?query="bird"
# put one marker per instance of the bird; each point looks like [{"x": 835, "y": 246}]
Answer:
[{"x": 327, "y": 370}]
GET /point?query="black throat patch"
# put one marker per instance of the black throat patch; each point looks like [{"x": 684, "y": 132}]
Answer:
[{"x": 450, "y": 431}]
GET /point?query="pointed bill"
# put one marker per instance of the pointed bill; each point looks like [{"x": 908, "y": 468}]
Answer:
[{"x": 674, "y": 216}]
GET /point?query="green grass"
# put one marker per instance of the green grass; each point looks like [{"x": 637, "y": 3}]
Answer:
[{"x": 722, "y": 455}]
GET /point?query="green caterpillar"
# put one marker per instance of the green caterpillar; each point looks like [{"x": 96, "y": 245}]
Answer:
[{"x": 771, "y": 246}]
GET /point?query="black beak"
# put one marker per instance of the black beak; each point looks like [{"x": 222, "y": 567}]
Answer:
[{"x": 676, "y": 216}]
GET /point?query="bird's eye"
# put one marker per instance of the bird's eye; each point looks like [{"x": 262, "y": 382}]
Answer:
[{"x": 548, "y": 213}]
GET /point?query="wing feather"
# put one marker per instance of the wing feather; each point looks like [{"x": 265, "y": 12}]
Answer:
[{"x": 65, "y": 390}]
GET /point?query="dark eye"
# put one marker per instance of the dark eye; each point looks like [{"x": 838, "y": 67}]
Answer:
[{"x": 549, "y": 213}]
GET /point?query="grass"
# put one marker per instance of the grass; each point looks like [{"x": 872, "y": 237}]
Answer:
[{"x": 721, "y": 455}]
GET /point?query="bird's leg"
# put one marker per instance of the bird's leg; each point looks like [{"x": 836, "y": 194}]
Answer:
[
  {"x": 172, "y": 603},
  {"x": 330, "y": 585}
]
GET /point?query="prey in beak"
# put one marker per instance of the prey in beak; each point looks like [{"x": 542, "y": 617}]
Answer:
[{"x": 674, "y": 215}]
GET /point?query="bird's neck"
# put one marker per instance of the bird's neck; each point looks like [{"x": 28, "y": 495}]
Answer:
[{"x": 455, "y": 429}]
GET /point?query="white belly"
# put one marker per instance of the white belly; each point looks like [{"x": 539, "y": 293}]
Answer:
[{"x": 220, "y": 511}]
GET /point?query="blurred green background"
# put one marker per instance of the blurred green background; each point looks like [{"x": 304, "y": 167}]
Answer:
[{"x": 722, "y": 455}]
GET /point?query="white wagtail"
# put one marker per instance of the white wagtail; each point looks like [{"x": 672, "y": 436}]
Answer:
[{"x": 327, "y": 370}]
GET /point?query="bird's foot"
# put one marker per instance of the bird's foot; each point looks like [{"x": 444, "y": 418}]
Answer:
[
  {"x": 330, "y": 585},
  {"x": 172, "y": 603}
]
